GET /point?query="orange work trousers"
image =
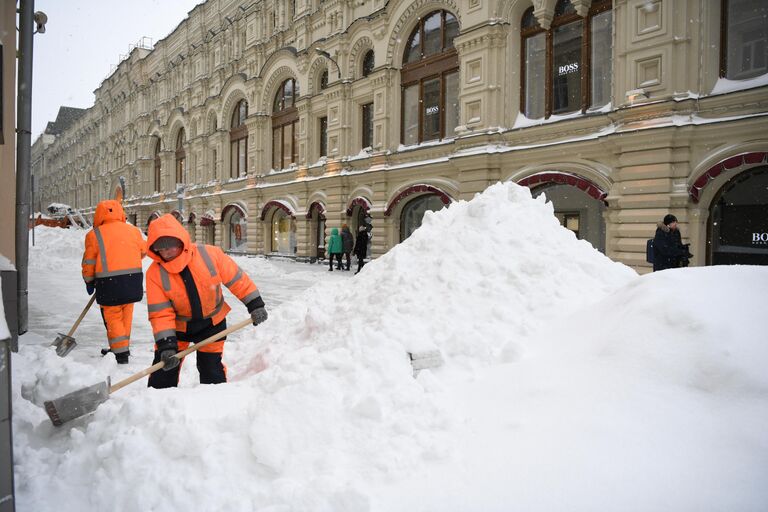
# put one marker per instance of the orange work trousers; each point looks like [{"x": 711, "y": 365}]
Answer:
[{"x": 117, "y": 320}]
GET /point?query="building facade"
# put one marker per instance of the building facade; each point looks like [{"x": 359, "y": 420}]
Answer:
[{"x": 261, "y": 124}]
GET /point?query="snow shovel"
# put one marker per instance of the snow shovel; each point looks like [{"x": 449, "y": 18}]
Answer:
[
  {"x": 86, "y": 400},
  {"x": 64, "y": 343}
]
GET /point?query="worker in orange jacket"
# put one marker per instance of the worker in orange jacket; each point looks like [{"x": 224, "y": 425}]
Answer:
[
  {"x": 185, "y": 301},
  {"x": 112, "y": 268}
]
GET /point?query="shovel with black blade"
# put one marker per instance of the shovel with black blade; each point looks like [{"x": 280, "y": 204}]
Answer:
[
  {"x": 64, "y": 343},
  {"x": 86, "y": 400}
]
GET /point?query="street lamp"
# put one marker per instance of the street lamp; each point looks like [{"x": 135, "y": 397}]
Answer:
[{"x": 327, "y": 55}]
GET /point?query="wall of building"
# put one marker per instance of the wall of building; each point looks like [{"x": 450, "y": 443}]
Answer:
[
  {"x": 8, "y": 144},
  {"x": 640, "y": 154}
]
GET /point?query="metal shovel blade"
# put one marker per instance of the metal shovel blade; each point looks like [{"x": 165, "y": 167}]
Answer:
[
  {"x": 64, "y": 344},
  {"x": 77, "y": 404}
]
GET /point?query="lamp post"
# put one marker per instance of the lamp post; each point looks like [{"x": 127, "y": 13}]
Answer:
[{"x": 327, "y": 55}]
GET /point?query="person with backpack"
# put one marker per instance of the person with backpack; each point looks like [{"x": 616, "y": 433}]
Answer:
[
  {"x": 668, "y": 249},
  {"x": 111, "y": 268},
  {"x": 335, "y": 248},
  {"x": 347, "y": 241}
]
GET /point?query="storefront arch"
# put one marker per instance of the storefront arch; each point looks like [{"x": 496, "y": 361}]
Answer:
[
  {"x": 234, "y": 219},
  {"x": 282, "y": 227},
  {"x": 316, "y": 218},
  {"x": 412, "y": 204},
  {"x": 737, "y": 228},
  {"x": 358, "y": 209},
  {"x": 208, "y": 225},
  {"x": 579, "y": 203}
]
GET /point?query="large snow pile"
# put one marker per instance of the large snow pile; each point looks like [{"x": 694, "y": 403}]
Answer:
[{"x": 322, "y": 411}]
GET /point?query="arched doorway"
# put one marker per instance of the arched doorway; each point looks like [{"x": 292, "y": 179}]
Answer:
[
  {"x": 316, "y": 217},
  {"x": 283, "y": 233},
  {"x": 738, "y": 220},
  {"x": 234, "y": 218},
  {"x": 579, "y": 204},
  {"x": 208, "y": 226},
  {"x": 414, "y": 210}
]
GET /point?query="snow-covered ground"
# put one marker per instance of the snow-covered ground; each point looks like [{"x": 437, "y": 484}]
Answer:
[{"x": 569, "y": 383}]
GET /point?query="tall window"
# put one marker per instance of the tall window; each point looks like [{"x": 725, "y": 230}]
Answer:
[
  {"x": 285, "y": 119},
  {"x": 158, "y": 165},
  {"x": 368, "y": 62},
  {"x": 568, "y": 67},
  {"x": 744, "y": 50},
  {"x": 324, "y": 79},
  {"x": 323, "y": 136},
  {"x": 238, "y": 140},
  {"x": 367, "y": 125},
  {"x": 181, "y": 157},
  {"x": 430, "y": 78}
]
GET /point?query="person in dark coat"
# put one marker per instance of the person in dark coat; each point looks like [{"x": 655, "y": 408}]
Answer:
[
  {"x": 347, "y": 241},
  {"x": 361, "y": 247},
  {"x": 668, "y": 249}
]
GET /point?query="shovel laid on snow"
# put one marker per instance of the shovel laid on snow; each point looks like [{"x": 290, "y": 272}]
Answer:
[
  {"x": 64, "y": 343},
  {"x": 86, "y": 400}
]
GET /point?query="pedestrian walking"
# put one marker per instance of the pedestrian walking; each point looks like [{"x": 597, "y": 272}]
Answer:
[
  {"x": 111, "y": 268},
  {"x": 185, "y": 301},
  {"x": 335, "y": 248},
  {"x": 361, "y": 247},
  {"x": 347, "y": 242}
]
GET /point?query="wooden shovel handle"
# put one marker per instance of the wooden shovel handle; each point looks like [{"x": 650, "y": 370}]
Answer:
[
  {"x": 82, "y": 315},
  {"x": 180, "y": 355}
]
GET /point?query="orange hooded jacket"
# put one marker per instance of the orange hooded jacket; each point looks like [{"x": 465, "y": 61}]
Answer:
[
  {"x": 112, "y": 258},
  {"x": 171, "y": 311}
]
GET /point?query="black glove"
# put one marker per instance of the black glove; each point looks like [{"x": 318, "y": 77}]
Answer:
[
  {"x": 90, "y": 288},
  {"x": 168, "y": 348},
  {"x": 258, "y": 315}
]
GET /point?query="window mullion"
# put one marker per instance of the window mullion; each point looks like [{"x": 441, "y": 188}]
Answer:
[
  {"x": 586, "y": 63},
  {"x": 548, "y": 77}
]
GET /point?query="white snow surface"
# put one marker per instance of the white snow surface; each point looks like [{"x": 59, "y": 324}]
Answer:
[{"x": 569, "y": 383}]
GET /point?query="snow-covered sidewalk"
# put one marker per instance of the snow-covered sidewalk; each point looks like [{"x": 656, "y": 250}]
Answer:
[{"x": 569, "y": 383}]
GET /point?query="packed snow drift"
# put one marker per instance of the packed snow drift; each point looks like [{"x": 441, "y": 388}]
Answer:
[{"x": 568, "y": 383}]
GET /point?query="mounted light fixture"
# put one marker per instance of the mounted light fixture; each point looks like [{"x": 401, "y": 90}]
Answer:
[
  {"x": 327, "y": 55},
  {"x": 635, "y": 94}
]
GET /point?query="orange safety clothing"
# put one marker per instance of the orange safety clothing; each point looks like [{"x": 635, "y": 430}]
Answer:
[
  {"x": 118, "y": 322},
  {"x": 201, "y": 269},
  {"x": 112, "y": 258}
]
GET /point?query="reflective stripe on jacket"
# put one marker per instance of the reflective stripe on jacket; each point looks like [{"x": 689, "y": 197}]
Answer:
[
  {"x": 112, "y": 257},
  {"x": 170, "y": 309}
]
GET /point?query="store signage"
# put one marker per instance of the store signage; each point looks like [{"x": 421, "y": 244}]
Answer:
[
  {"x": 567, "y": 69},
  {"x": 432, "y": 110},
  {"x": 759, "y": 238}
]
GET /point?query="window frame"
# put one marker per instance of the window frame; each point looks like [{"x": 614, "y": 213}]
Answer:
[
  {"x": 285, "y": 117},
  {"x": 181, "y": 156},
  {"x": 158, "y": 166},
  {"x": 366, "y": 132},
  {"x": 366, "y": 65},
  {"x": 323, "y": 126},
  {"x": 237, "y": 134},
  {"x": 724, "y": 11},
  {"x": 415, "y": 73},
  {"x": 597, "y": 7}
]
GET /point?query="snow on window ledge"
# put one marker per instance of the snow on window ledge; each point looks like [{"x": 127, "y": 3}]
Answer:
[{"x": 724, "y": 85}]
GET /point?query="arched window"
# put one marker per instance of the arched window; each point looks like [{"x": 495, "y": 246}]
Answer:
[
  {"x": 744, "y": 48},
  {"x": 368, "y": 63},
  {"x": 413, "y": 213},
  {"x": 237, "y": 224},
  {"x": 430, "y": 80},
  {"x": 285, "y": 119},
  {"x": 283, "y": 232},
  {"x": 181, "y": 157},
  {"x": 238, "y": 140},
  {"x": 568, "y": 67},
  {"x": 158, "y": 165},
  {"x": 324, "y": 79}
]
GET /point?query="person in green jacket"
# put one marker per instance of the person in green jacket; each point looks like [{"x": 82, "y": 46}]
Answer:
[{"x": 335, "y": 247}]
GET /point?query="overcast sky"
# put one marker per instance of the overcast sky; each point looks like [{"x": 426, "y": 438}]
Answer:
[{"x": 83, "y": 39}]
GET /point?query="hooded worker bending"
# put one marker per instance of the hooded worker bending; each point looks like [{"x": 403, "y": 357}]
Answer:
[
  {"x": 112, "y": 267},
  {"x": 185, "y": 301}
]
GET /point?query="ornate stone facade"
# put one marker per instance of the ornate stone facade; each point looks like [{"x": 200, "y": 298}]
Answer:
[{"x": 643, "y": 155}]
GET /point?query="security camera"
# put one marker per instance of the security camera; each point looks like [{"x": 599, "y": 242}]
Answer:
[{"x": 40, "y": 20}]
